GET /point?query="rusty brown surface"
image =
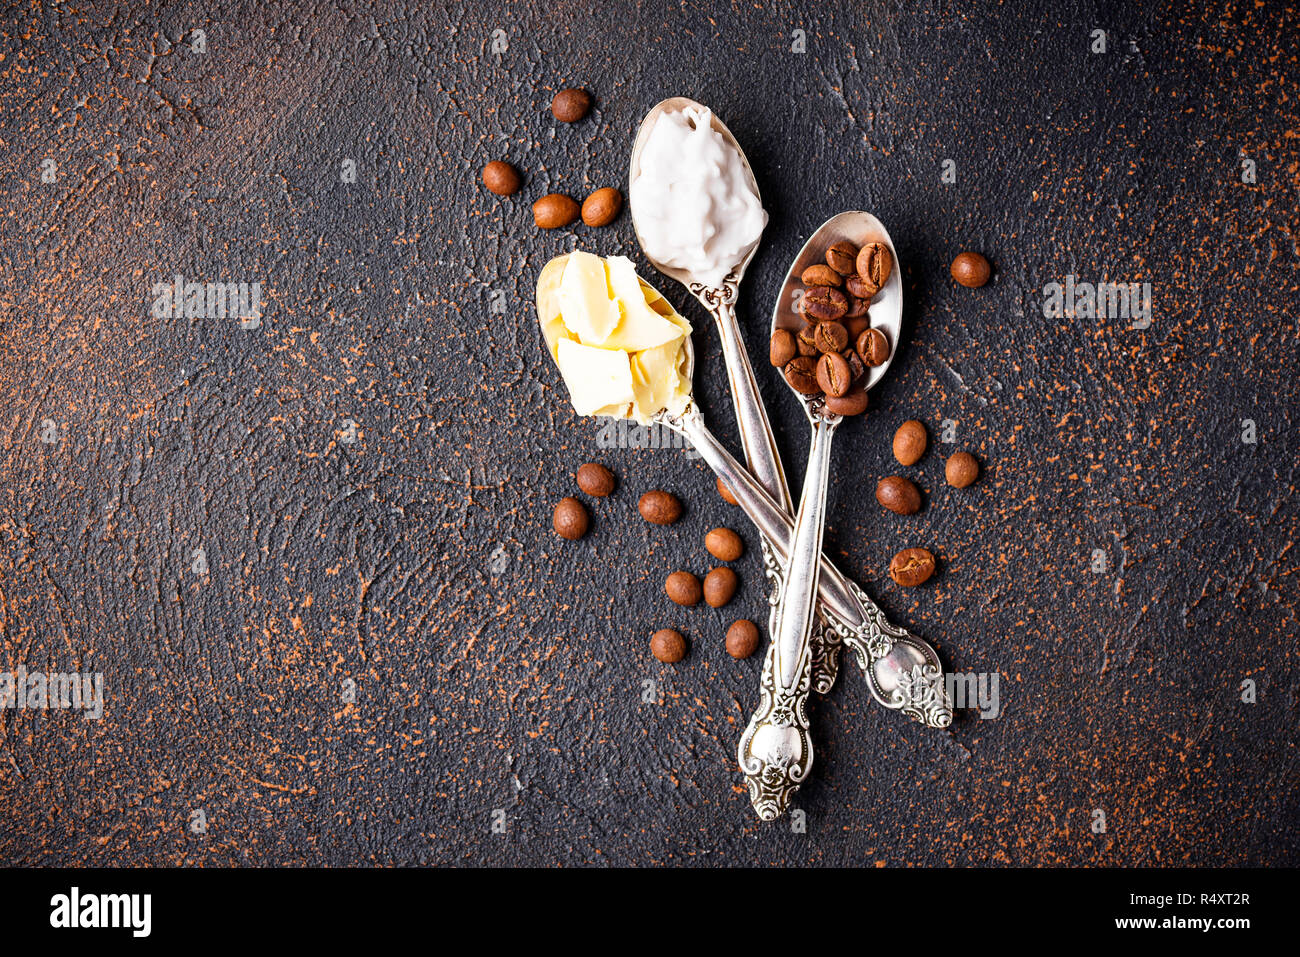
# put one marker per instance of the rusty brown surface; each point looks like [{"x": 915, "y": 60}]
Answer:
[{"x": 498, "y": 668}]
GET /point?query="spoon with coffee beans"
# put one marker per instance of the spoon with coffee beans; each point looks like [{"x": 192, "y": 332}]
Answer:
[{"x": 836, "y": 319}]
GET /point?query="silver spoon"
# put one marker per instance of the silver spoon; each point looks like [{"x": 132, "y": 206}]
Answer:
[
  {"x": 776, "y": 750},
  {"x": 756, "y": 437}
]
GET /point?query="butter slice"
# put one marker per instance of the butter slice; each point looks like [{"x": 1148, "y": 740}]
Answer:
[
  {"x": 597, "y": 379},
  {"x": 654, "y": 377},
  {"x": 640, "y": 326},
  {"x": 585, "y": 300}
]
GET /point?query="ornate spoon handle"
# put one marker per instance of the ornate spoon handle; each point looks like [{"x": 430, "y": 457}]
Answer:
[
  {"x": 903, "y": 672},
  {"x": 776, "y": 751}
]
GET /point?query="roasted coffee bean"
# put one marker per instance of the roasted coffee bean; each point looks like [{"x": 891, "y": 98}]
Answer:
[
  {"x": 858, "y": 289},
  {"x": 806, "y": 341},
  {"x": 595, "y": 479},
  {"x": 843, "y": 258},
  {"x": 668, "y": 646},
  {"x": 873, "y": 347},
  {"x": 971, "y": 270},
  {"x": 911, "y": 566},
  {"x": 570, "y": 519},
  {"x": 602, "y": 207},
  {"x": 782, "y": 348},
  {"x": 853, "y": 402},
  {"x": 724, "y": 544},
  {"x": 830, "y": 337},
  {"x": 857, "y": 309},
  {"x": 502, "y": 178},
  {"x": 833, "y": 374},
  {"x": 571, "y": 105},
  {"x": 856, "y": 325},
  {"x": 555, "y": 210},
  {"x": 961, "y": 469},
  {"x": 801, "y": 373},
  {"x": 819, "y": 275},
  {"x": 727, "y": 494},
  {"x": 909, "y": 442},
  {"x": 874, "y": 264},
  {"x": 824, "y": 304},
  {"x": 661, "y": 508},
  {"x": 742, "y": 638},
  {"x": 899, "y": 495},
  {"x": 719, "y": 586},
  {"x": 857, "y": 368},
  {"x": 684, "y": 588}
]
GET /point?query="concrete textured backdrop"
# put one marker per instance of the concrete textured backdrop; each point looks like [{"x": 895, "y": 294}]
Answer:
[{"x": 499, "y": 669}]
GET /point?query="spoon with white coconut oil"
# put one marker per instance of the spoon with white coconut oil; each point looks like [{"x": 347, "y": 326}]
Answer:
[{"x": 698, "y": 216}]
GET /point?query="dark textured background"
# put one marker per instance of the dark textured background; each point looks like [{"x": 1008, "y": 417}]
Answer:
[{"x": 500, "y": 668}]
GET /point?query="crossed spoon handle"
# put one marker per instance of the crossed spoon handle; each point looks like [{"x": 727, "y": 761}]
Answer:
[
  {"x": 903, "y": 672},
  {"x": 759, "y": 446}
]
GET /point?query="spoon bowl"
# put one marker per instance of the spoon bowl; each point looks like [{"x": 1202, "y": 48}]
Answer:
[
  {"x": 680, "y": 104},
  {"x": 886, "y": 310}
]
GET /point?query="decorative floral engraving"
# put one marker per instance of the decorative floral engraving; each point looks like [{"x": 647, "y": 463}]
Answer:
[
  {"x": 775, "y": 751},
  {"x": 921, "y": 695}
]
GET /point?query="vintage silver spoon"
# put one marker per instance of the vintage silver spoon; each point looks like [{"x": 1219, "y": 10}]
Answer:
[
  {"x": 756, "y": 437},
  {"x": 776, "y": 751}
]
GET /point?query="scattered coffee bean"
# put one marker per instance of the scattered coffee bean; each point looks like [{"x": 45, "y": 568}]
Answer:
[
  {"x": 724, "y": 544},
  {"x": 726, "y": 493},
  {"x": 782, "y": 348},
  {"x": 858, "y": 289},
  {"x": 853, "y": 402},
  {"x": 857, "y": 310},
  {"x": 909, "y": 442},
  {"x": 571, "y": 105},
  {"x": 501, "y": 178},
  {"x": 856, "y": 325},
  {"x": 602, "y": 207},
  {"x": 874, "y": 264},
  {"x": 660, "y": 508},
  {"x": 843, "y": 258},
  {"x": 806, "y": 341},
  {"x": 555, "y": 210},
  {"x": 668, "y": 646},
  {"x": 742, "y": 638},
  {"x": 719, "y": 586},
  {"x": 873, "y": 347},
  {"x": 819, "y": 275},
  {"x": 684, "y": 588},
  {"x": 911, "y": 567},
  {"x": 961, "y": 469},
  {"x": 824, "y": 303},
  {"x": 971, "y": 270},
  {"x": 833, "y": 374},
  {"x": 801, "y": 373},
  {"x": 899, "y": 495},
  {"x": 830, "y": 337},
  {"x": 570, "y": 519},
  {"x": 595, "y": 479}
]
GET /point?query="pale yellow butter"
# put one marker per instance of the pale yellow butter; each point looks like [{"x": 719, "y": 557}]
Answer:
[{"x": 619, "y": 344}]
